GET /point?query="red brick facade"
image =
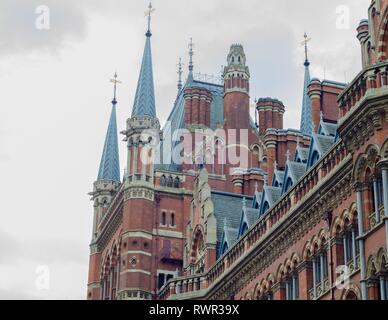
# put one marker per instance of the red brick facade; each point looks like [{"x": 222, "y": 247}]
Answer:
[{"x": 156, "y": 237}]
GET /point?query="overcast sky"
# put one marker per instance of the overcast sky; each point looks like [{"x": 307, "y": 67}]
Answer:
[{"x": 55, "y": 103}]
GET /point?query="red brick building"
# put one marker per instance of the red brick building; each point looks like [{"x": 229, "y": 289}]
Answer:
[{"x": 217, "y": 205}]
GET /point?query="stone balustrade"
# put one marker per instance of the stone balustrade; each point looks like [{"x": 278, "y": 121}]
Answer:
[{"x": 373, "y": 77}]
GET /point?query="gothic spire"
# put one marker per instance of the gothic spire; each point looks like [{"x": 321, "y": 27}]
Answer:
[
  {"x": 306, "y": 126},
  {"x": 145, "y": 94},
  {"x": 109, "y": 166}
]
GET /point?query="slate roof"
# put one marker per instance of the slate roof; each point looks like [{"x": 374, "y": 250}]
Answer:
[
  {"x": 323, "y": 143},
  {"x": 306, "y": 126},
  {"x": 144, "y": 103},
  {"x": 272, "y": 194},
  {"x": 176, "y": 120},
  {"x": 302, "y": 154},
  {"x": 296, "y": 170},
  {"x": 110, "y": 165},
  {"x": 231, "y": 235},
  {"x": 251, "y": 215},
  {"x": 257, "y": 199},
  {"x": 278, "y": 177},
  {"x": 227, "y": 208},
  {"x": 328, "y": 129}
]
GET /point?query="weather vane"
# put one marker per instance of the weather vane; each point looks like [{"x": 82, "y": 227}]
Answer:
[
  {"x": 180, "y": 72},
  {"x": 115, "y": 81},
  {"x": 191, "y": 53},
  {"x": 148, "y": 14},
  {"x": 304, "y": 43}
]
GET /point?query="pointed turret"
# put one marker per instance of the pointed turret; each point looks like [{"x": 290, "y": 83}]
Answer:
[
  {"x": 306, "y": 126},
  {"x": 145, "y": 94},
  {"x": 109, "y": 165},
  {"x": 139, "y": 207},
  {"x": 104, "y": 190}
]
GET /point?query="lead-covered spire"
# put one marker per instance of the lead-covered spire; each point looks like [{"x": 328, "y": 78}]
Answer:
[
  {"x": 306, "y": 126},
  {"x": 110, "y": 166},
  {"x": 145, "y": 94}
]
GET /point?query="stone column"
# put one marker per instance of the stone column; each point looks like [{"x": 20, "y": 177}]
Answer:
[
  {"x": 376, "y": 199},
  {"x": 354, "y": 248},
  {"x": 384, "y": 171},
  {"x": 359, "y": 190},
  {"x": 111, "y": 284},
  {"x": 322, "y": 273},
  {"x": 346, "y": 253},
  {"x": 294, "y": 284},
  {"x": 315, "y": 278},
  {"x": 102, "y": 288},
  {"x": 118, "y": 276},
  {"x": 288, "y": 290},
  {"x": 382, "y": 288}
]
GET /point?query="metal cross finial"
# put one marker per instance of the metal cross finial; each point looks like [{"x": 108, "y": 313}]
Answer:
[
  {"x": 191, "y": 54},
  {"x": 115, "y": 81},
  {"x": 304, "y": 43},
  {"x": 148, "y": 14},
  {"x": 180, "y": 72}
]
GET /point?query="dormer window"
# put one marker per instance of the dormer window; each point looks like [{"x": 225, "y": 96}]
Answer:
[{"x": 239, "y": 59}]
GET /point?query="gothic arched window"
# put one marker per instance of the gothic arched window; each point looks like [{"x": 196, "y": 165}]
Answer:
[
  {"x": 163, "y": 181},
  {"x": 314, "y": 158},
  {"x": 177, "y": 183},
  {"x": 172, "y": 221},
  {"x": 164, "y": 219},
  {"x": 169, "y": 182}
]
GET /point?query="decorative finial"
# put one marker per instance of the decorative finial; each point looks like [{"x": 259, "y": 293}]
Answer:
[
  {"x": 224, "y": 223},
  {"x": 115, "y": 81},
  {"x": 244, "y": 202},
  {"x": 321, "y": 115},
  {"x": 304, "y": 43},
  {"x": 148, "y": 14},
  {"x": 288, "y": 155},
  {"x": 275, "y": 165},
  {"x": 257, "y": 186},
  {"x": 297, "y": 142},
  {"x": 191, "y": 54},
  {"x": 180, "y": 72}
]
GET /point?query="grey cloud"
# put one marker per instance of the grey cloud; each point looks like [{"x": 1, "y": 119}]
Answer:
[
  {"x": 18, "y": 33},
  {"x": 41, "y": 251},
  {"x": 11, "y": 294}
]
